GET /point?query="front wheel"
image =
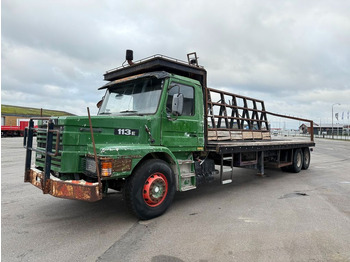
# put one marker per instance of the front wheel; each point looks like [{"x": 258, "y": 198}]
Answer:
[{"x": 150, "y": 189}]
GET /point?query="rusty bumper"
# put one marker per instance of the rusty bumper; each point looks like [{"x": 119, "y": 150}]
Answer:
[{"x": 71, "y": 189}]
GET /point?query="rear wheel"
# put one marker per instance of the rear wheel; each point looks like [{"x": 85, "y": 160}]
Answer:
[
  {"x": 150, "y": 189},
  {"x": 297, "y": 161},
  {"x": 306, "y": 158}
]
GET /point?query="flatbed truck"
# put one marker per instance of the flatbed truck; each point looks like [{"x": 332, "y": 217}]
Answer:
[
  {"x": 159, "y": 129},
  {"x": 14, "y": 130}
]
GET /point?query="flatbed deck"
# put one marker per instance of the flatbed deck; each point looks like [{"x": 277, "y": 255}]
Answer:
[{"x": 224, "y": 147}]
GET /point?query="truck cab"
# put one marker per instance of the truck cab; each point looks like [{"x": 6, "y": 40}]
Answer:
[
  {"x": 151, "y": 117},
  {"x": 157, "y": 97}
]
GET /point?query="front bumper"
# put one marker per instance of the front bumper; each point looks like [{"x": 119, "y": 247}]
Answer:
[{"x": 69, "y": 189}]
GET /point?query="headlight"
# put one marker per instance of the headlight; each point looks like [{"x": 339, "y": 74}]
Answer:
[{"x": 90, "y": 165}]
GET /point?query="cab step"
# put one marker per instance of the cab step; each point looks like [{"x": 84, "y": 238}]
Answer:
[
  {"x": 187, "y": 161},
  {"x": 186, "y": 188},
  {"x": 188, "y": 181},
  {"x": 187, "y": 175},
  {"x": 227, "y": 181}
]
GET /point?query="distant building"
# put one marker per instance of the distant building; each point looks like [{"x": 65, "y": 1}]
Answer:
[{"x": 324, "y": 129}]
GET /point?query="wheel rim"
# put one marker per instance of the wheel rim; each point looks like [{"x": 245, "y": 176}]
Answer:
[{"x": 155, "y": 189}]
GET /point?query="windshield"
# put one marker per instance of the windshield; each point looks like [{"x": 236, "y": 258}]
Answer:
[{"x": 140, "y": 96}]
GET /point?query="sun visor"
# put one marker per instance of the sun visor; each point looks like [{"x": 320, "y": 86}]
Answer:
[{"x": 160, "y": 74}]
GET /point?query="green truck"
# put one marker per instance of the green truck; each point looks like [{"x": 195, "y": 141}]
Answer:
[{"x": 159, "y": 129}]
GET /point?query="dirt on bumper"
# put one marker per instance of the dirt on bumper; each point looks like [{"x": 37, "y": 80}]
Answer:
[{"x": 69, "y": 189}]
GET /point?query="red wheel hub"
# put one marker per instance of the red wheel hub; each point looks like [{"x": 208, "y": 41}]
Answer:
[{"x": 155, "y": 189}]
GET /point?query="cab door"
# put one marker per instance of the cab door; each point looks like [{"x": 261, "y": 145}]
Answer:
[{"x": 183, "y": 132}]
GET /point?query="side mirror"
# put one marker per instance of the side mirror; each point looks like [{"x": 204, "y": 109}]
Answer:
[
  {"x": 178, "y": 104},
  {"x": 99, "y": 104}
]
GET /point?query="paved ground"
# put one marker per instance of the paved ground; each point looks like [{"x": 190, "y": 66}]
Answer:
[{"x": 283, "y": 217}]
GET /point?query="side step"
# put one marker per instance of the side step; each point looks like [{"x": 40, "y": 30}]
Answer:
[
  {"x": 188, "y": 181},
  {"x": 186, "y": 188},
  {"x": 222, "y": 180},
  {"x": 187, "y": 175},
  {"x": 227, "y": 181}
]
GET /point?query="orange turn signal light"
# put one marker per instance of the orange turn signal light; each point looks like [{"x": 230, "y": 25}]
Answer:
[{"x": 106, "y": 168}]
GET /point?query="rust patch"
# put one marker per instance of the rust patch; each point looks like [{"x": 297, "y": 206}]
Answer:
[
  {"x": 122, "y": 164},
  {"x": 35, "y": 178},
  {"x": 71, "y": 190},
  {"x": 65, "y": 189},
  {"x": 121, "y": 80}
]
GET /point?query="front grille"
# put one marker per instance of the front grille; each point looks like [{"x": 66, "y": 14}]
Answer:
[{"x": 41, "y": 144}]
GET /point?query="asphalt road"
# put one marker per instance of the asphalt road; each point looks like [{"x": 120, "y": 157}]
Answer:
[{"x": 282, "y": 217}]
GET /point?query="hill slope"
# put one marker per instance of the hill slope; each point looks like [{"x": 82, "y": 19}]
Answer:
[{"x": 27, "y": 111}]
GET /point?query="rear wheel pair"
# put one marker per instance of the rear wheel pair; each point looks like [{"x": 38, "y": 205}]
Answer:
[
  {"x": 301, "y": 160},
  {"x": 150, "y": 190}
]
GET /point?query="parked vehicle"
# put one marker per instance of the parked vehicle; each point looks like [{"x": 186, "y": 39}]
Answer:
[
  {"x": 14, "y": 130},
  {"x": 159, "y": 129}
]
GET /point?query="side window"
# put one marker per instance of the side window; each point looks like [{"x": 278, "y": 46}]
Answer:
[{"x": 188, "y": 93}]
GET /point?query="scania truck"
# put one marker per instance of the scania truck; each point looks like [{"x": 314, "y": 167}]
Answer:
[{"x": 159, "y": 129}]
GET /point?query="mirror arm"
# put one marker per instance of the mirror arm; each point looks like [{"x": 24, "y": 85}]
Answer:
[{"x": 168, "y": 116}]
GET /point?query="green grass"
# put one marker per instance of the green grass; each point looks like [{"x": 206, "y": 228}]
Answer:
[{"x": 27, "y": 111}]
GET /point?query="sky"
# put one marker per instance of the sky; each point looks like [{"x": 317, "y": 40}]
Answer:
[{"x": 294, "y": 55}]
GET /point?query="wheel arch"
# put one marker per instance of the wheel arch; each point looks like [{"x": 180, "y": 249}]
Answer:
[{"x": 165, "y": 156}]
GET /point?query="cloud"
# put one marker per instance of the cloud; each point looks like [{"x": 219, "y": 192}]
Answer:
[{"x": 292, "y": 54}]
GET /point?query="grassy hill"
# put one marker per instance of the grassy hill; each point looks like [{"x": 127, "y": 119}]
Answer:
[{"x": 27, "y": 111}]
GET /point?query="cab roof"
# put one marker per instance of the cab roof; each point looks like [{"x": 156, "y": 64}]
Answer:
[{"x": 157, "y": 63}]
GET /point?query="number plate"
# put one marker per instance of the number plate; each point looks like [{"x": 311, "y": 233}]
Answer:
[{"x": 126, "y": 132}]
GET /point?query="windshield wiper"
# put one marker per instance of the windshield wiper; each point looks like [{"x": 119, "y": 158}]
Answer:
[
  {"x": 105, "y": 113},
  {"x": 128, "y": 111}
]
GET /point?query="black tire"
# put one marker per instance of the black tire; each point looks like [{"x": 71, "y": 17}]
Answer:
[
  {"x": 150, "y": 190},
  {"x": 297, "y": 161},
  {"x": 306, "y": 158}
]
